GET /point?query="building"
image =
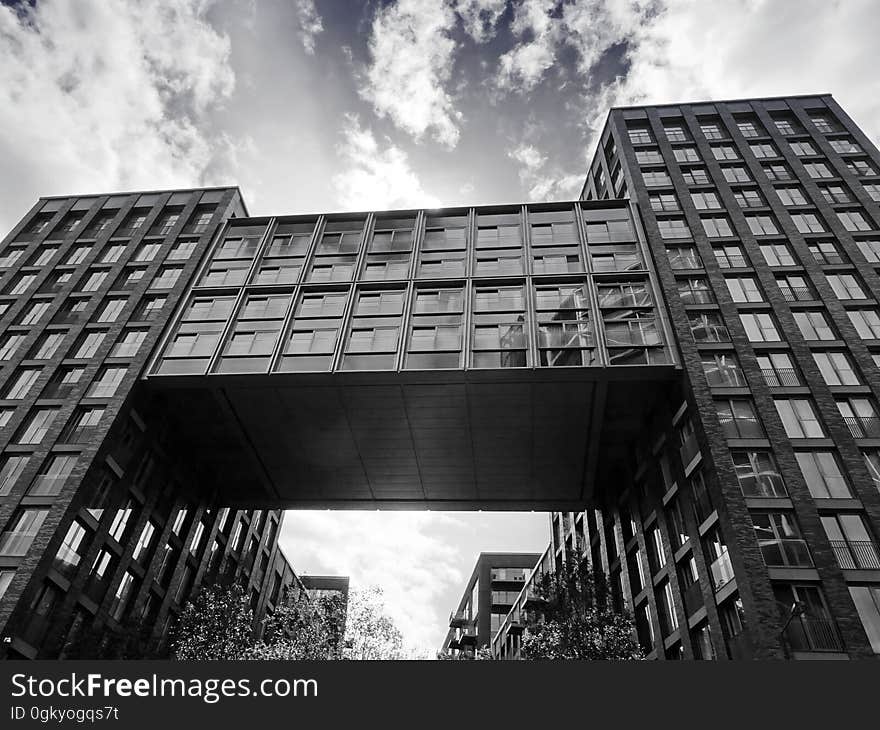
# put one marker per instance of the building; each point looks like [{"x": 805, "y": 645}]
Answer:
[
  {"x": 106, "y": 523},
  {"x": 682, "y": 366},
  {"x": 745, "y": 521},
  {"x": 494, "y": 585}
]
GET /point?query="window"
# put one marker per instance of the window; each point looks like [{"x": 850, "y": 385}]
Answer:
[
  {"x": 736, "y": 174},
  {"x": 758, "y": 474},
  {"x": 112, "y": 309},
  {"x": 705, "y": 200},
  {"x": 82, "y": 425},
  {"x": 787, "y": 125},
  {"x": 77, "y": 255},
  {"x": 818, "y": 170},
  {"x": 775, "y": 171},
  {"x": 823, "y": 474},
  {"x": 759, "y": 327},
  {"x": 834, "y": 194},
  {"x": 656, "y": 178},
  {"x": 744, "y": 289},
  {"x": 639, "y": 135},
  {"x": 649, "y": 157},
  {"x": 662, "y": 202},
  {"x": 129, "y": 343},
  {"x": 684, "y": 257},
  {"x": 107, "y": 382},
  {"x": 851, "y": 541},
  {"x": 762, "y": 150},
  {"x": 11, "y": 468},
  {"x": 147, "y": 252},
  {"x": 708, "y": 327},
  {"x": 144, "y": 541},
  {"x": 88, "y": 345},
  {"x": 9, "y": 345},
  {"x": 795, "y": 288},
  {"x": 72, "y": 549},
  {"x": 778, "y": 370},
  {"x": 845, "y": 286},
  {"x": 762, "y": 225},
  {"x": 21, "y": 531},
  {"x": 686, "y": 154},
  {"x": 34, "y": 313},
  {"x": 436, "y": 330},
  {"x": 52, "y": 475},
  {"x": 730, "y": 256},
  {"x": 738, "y": 418},
  {"x": 749, "y": 129},
  {"x": 565, "y": 333},
  {"x": 825, "y": 252},
  {"x": 23, "y": 380},
  {"x": 870, "y": 250},
  {"x": 867, "y": 600},
  {"x": 676, "y": 132},
  {"x": 792, "y": 195},
  {"x": 866, "y": 322},
  {"x": 718, "y": 558},
  {"x": 717, "y": 226},
  {"x": 499, "y": 338},
  {"x": 182, "y": 250},
  {"x": 725, "y": 152},
  {"x": 36, "y": 426},
  {"x": 861, "y": 168},
  {"x": 844, "y": 146},
  {"x": 112, "y": 253},
  {"x": 673, "y": 228},
  {"x": 854, "y": 220},
  {"x": 777, "y": 254},
  {"x": 695, "y": 291},
  {"x": 149, "y": 308},
  {"x": 695, "y": 176},
  {"x": 779, "y": 540},
  {"x": 860, "y": 417},
  {"x": 815, "y": 326},
  {"x": 802, "y": 149},
  {"x": 723, "y": 370},
  {"x": 873, "y": 191},
  {"x": 166, "y": 278},
  {"x": 748, "y": 198},
  {"x": 799, "y": 418},
  {"x": 836, "y": 368},
  {"x": 712, "y": 130}
]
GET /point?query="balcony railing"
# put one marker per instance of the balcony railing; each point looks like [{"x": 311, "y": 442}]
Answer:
[
  {"x": 809, "y": 633},
  {"x": 856, "y": 554},
  {"x": 721, "y": 570},
  {"x": 797, "y": 294},
  {"x": 458, "y": 619},
  {"x": 15, "y": 543},
  {"x": 781, "y": 377},
  {"x": 732, "y": 262},
  {"x": 787, "y": 551},
  {"x": 863, "y": 426}
]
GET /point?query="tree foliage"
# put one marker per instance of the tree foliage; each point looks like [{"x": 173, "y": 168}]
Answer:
[
  {"x": 370, "y": 633},
  {"x": 578, "y": 619},
  {"x": 218, "y": 624},
  {"x": 484, "y": 653},
  {"x": 303, "y": 629}
]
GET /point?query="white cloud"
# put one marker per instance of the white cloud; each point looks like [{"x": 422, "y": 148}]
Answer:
[
  {"x": 374, "y": 177},
  {"x": 403, "y": 552},
  {"x": 480, "y": 17},
  {"x": 522, "y": 67},
  {"x": 542, "y": 181},
  {"x": 99, "y": 96},
  {"x": 716, "y": 50},
  {"x": 412, "y": 57},
  {"x": 310, "y": 24}
]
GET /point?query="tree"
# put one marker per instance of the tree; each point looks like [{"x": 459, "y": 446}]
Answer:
[
  {"x": 578, "y": 620},
  {"x": 218, "y": 624},
  {"x": 303, "y": 629},
  {"x": 484, "y": 653},
  {"x": 369, "y": 632}
]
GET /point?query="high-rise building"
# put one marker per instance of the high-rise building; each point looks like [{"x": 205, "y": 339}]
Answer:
[
  {"x": 491, "y": 590},
  {"x": 106, "y": 525},
  {"x": 744, "y": 522}
]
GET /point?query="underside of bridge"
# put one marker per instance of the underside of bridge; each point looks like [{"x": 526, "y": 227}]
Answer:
[{"x": 454, "y": 440}]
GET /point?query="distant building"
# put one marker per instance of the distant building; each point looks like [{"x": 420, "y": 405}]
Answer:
[{"x": 496, "y": 581}]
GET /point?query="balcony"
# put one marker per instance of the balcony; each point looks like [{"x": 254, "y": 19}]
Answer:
[
  {"x": 16, "y": 543},
  {"x": 533, "y": 598},
  {"x": 809, "y": 633},
  {"x": 732, "y": 262},
  {"x": 863, "y": 426},
  {"x": 515, "y": 627},
  {"x": 721, "y": 570},
  {"x": 787, "y": 551},
  {"x": 781, "y": 377},
  {"x": 856, "y": 554},
  {"x": 468, "y": 637},
  {"x": 458, "y": 620},
  {"x": 797, "y": 293}
]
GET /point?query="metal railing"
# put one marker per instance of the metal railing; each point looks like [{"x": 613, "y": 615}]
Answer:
[
  {"x": 797, "y": 293},
  {"x": 781, "y": 377},
  {"x": 728, "y": 261},
  {"x": 808, "y": 633},
  {"x": 863, "y": 426},
  {"x": 721, "y": 570},
  {"x": 856, "y": 554}
]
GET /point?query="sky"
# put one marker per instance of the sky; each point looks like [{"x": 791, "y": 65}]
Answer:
[{"x": 332, "y": 105}]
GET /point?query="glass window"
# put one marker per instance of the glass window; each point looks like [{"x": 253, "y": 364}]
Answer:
[
  {"x": 836, "y": 368},
  {"x": 867, "y": 601},
  {"x": 758, "y": 474},
  {"x": 744, "y": 289},
  {"x": 799, "y": 418},
  {"x": 21, "y": 531},
  {"x": 759, "y": 327},
  {"x": 814, "y": 325},
  {"x": 499, "y": 334},
  {"x": 779, "y": 539},
  {"x": 738, "y": 418},
  {"x": 436, "y": 329},
  {"x": 722, "y": 369}
]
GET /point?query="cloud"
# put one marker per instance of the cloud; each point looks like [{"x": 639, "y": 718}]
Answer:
[
  {"x": 524, "y": 65},
  {"x": 412, "y": 55},
  {"x": 375, "y": 178},
  {"x": 310, "y": 24},
  {"x": 99, "y": 96},
  {"x": 405, "y": 553},
  {"x": 543, "y": 182},
  {"x": 480, "y": 17}
]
